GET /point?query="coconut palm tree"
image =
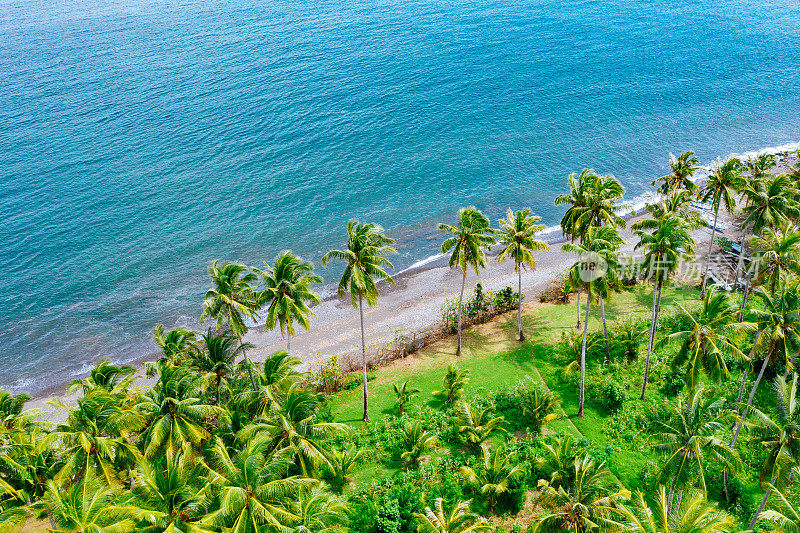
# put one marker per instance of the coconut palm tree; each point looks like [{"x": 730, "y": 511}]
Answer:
[
  {"x": 683, "y": 168},
  {"x": 294, "y": 425},
  {"x": 539, "y": 405},
  {"x": 710, "y": 337},
  {"x": 255, "y": 489},
  {"x": 695, "y": 514},
  {"x": 456, "y": 519},
  {"x": 476, "y": 425},
  {"x": 453, "y": 385},
  {"x": 85, "y": 506},
  {"x": 691, "y": 438},
  {"x": 664, "y": 245},
  {"x": 287, "y": 293},
  {"x": 768, "y": 203},
  {"x": 231, "y": 300},
  {"x": 779, "y": 335},
  {"x": 367, "y": 246},
  {"x": 175, "y": 417},
  {"x": 215, "y": 361},
  {"x": 104, "y": 375},
  {"x": 776, "y": 255},
  {"x": 168, "y": 497},
  {"x": 415, "y": 441},
  {"x": 272, "y": 382},
  {"x": 494, "y": 475},
  {"x": 318, "y": 511},
  {"x": 779, "y": 435},
  {"x": 597, "y": 258},
  {"x": 404, "y": 394},
  {"x": 468, "y": 243},
  {"x": 787, "y": 519},
  {"x": 591, "y": 501},
  {"x": 558, "y": 464},
  {"x": 175, "y": 344},
  {"x": 342, "y": 466},
  {"x": 721, "y": 188},
  {"x": 517, "y": 235}
]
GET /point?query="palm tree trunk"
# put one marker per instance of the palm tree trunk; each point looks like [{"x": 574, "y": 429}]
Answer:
[
  {"x": 247, "y": 364},
  {"x": 460, "y": 304},
  {"x": 708, "y": 257},
  {"x": 217, "y": 399},
  {"x": 288, "y": 342},
  {"x": 740, "y": 260},
  {"x": 605, "y": 328},
  {"x": 363, "y": 356},
  {"x": 579, "y": 307},
  {"x": 656, "y": 299},
  {"x": 583, "y": 356},
  {"x": 763, "y": 503},
  {"x": 750, "y": 400},
  {"x": 519, "y": 303}
]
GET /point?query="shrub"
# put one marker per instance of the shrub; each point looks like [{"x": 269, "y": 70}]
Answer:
[
  {"x": 328, "y": 377},
  {"x": 527, "y": 404},
  {"x": 610, "y": 395},
  {"x": 480, "y": 308},
  {"x": 556, "y": 292}
]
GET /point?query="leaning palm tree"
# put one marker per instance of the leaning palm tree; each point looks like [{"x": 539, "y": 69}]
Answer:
[
  {"x": 517, "y": 235},
  {"x": 456, "y": 519},
  {"x": 367, "y": 246},
  {"x": 709, "y": 338},
  {"x": 695, "y": 514},
  {"x": 787, "y": 519},
  {"x": 721, "y": 188},
  {"x": 779, "y": 335},
  {"x": 255, "y": 490},
  {"x": 683, "y": 168},
  {"x": 664, "y": 246},
  {"x": 468, "y": 243},
  {"x": 494, "y": 475},
  {"x": 288, "y": 293},
  {"x": 691, "y": 438},
  {"x": 231, "y": 300},
  {"x": 780, "y": 436}
]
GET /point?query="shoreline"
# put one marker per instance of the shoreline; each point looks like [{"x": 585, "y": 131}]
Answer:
[{"x": 414, "y": 305}]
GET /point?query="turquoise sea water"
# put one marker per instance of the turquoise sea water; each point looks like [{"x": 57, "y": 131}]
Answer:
[{"x": 141, "y": 140}]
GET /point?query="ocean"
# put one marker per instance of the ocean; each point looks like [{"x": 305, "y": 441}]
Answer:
[{"x": 142, "y": 140}]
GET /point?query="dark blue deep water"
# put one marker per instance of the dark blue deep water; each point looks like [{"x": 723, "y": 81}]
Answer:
[{"x": 142, "y": 139}]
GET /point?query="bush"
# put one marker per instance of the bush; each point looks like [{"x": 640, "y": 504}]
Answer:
[
  {"x": 480, "y": 308},
  {"x": 556, "y": 292},
  {"x": 610, "y": 395}
]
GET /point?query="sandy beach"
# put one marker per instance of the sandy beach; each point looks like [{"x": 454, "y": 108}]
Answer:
[{"x": 415, "y": 303}]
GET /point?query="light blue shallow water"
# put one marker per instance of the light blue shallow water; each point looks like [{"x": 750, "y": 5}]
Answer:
[{"x": 140, "y": 140}]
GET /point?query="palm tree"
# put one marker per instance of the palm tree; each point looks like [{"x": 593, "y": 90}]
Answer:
[
  {"x": 720, "y": 188},
  {"x": 175, "y": 343},
  {"x": 780, "y": 436},
  {"x": 788, "y": 518},
  {"x": 597, "y": 258},
  {"x": 342, "y": 466},
  {"x": 592, "y": 500},
  {"x": 169, "y": 497},
  {"x": 453, "y": 385},
  {"x": 367, "y": 246},
  {"x": 175, "y": 417},
  {"x": 768, "y": 203},
  {"x": 288, "y": 293},
  {"x": 779, "y": 328},
  {"x": 468, "y": 243},
  {"x": 683, "y": 168},
  {"x": 254, "y": 489},
  {"x": 777, "y": 254},
  {"x": 494, "y": 475},
  {"x": 539, "y": 405},
  {"x": 690, "y": 439},
  {"x": 517, "y": 235},
  {"x": 104, "y": 375},
  {"x": 279, "y": 373},
  {"x": 215, "y": 361},
  {"x": 85, "y": 506},
  {"x": 318, "y": 511},
  {"x": 404, "y": 394},
  {"x": 415, "y": 441},
  {"x": 294, "y": 425},
  {"x": 710, "y": 336},
  {"x": 457, "y": 519},
  {"x": 695, "y": 514},
  {"x": 476, "y": 425},
  {"x": 231, "y": 300},
  {"x": 559, "y": 462},
  {"x": 664, "y": 246}
]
